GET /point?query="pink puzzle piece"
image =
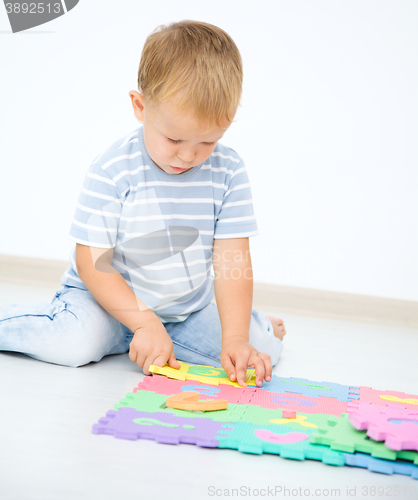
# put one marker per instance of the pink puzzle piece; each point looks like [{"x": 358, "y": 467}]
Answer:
[
  {"x": 297, "y": 402},
  {"x": 398, "y": 427},
  {"x": 383, "y": 398},
  {"x": 288, "y": 414},
  {"x": 163, "y": 385}
]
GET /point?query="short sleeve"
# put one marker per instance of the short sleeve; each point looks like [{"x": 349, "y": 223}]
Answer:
[
  {"x": 98, "y": 211},
  {"x": 236, "y": 217}
]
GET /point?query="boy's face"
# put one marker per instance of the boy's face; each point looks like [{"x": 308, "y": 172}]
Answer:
[{"x": 175, "y": 142}]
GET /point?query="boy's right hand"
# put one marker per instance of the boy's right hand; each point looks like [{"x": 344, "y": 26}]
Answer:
[{"x": 151, "y": 344}]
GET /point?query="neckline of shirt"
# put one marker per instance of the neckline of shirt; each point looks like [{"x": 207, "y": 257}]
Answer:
[{"x": 157, "y": 170}]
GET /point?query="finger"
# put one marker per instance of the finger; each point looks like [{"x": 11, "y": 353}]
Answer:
[
  {"x": 173, "y": 361},
  {"x": 152, "y": 359},
  {"x": 136, "y": 357},
  {"x": 140, "y": 360},
  {"x": 267, "y": 365},
  {"x": 241, "y": 367},
  {"x": 132, "y": 354},
  {"x": 146, "y": 364},
  {"x": 258, "y": 365},
  {"x": 161, "y": 359},
  {"x": 228, "y": 367}
]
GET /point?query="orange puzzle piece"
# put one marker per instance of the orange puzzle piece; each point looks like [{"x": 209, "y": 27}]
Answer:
[{"x": 189, "y": 400}]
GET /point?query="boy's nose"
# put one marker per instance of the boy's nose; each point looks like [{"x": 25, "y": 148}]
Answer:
[{"x": 186, "y": 155}]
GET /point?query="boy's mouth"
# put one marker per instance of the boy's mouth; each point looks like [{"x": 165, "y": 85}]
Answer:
[{"x": 177, "y": 169}]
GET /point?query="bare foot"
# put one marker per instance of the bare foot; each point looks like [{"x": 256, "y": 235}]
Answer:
[{"x": 278, "y": 327}]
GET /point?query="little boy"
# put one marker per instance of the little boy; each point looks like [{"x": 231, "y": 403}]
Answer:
[{"x": 157, "y": 209}]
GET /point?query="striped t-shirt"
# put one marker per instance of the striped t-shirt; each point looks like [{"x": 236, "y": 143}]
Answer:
[{"x": 161, "y": 226}]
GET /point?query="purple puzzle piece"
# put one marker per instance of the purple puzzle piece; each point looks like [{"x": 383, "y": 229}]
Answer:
[{"x": 128, "y": 423}]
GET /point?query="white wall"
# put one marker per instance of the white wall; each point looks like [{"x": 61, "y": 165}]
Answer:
[{"x": 328, "y": 129}]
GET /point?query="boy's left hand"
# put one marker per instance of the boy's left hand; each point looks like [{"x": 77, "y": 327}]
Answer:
[{"x": 237, "y": 353}]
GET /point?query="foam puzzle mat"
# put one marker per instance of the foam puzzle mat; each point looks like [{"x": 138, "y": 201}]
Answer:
[{"x": 333, "y": 423}]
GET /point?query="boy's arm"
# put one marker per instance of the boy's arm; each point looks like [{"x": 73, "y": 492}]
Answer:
[
  {"x": 151, "y": 343},
  {"x": 234, "y": 298}
]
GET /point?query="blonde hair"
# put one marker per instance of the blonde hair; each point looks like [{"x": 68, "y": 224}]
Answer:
[{"x": 196, "y": 63}]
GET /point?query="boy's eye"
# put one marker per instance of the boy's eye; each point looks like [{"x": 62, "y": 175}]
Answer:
[{"x": 174, "y": 141}]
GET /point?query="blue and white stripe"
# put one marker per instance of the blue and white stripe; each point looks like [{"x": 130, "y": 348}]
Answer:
[{"x": 162, "y": 226}]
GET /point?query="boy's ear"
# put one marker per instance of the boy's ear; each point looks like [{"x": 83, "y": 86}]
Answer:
[{"x": 137, "y": 104}]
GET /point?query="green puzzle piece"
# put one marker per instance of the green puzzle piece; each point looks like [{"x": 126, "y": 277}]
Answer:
[
  {"x": 264, "y": 416},
  {"x": 340, "y": 435},
  {"x": 143, "y": 401}
]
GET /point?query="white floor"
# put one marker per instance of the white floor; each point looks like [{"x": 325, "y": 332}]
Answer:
[{"x": 47, "y": 450}]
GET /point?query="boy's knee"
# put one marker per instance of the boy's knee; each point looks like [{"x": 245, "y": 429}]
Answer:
[
  {"x": 81, "y": 358},
  {"x": 89, "y": 341},
  {"x": 76, "y": 354}
]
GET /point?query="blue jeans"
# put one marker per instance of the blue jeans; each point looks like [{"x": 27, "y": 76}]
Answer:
[{"x": 75, "y": 330}]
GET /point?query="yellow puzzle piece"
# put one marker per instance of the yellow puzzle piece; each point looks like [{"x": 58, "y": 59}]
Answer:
[{"x": 201, "y": 373}]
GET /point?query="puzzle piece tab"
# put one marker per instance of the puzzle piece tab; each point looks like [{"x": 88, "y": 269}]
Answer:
[{"x": 288, "y": 414}]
